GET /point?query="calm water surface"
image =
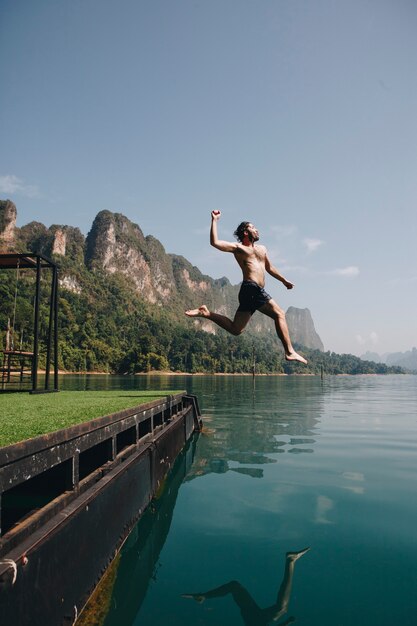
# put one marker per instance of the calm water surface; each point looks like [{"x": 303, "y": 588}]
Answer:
[{"x": 284, "y": 464}]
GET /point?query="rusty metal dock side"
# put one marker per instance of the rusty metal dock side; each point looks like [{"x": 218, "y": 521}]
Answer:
[{"x": 53, "y": 556}]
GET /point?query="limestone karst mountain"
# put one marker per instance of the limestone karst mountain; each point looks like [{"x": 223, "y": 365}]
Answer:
[
  {"x": 8, "y": 214},
  {"x": 117, "y": 246},
  {"x": 407, "y": 360},
  {"x": 302, "y": 328}
]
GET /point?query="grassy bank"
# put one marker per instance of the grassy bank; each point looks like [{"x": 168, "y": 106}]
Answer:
[{"x": 23, "y": 416}]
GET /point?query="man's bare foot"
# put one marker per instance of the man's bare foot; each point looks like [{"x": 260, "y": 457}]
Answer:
[
  {"x": 198, "y": 597},
  {"x": 294, "y": 556},
  {"x": 202, "y": 311},
  {"x": 294, "y": 356}
]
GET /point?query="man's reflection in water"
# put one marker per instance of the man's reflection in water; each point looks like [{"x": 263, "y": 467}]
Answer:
[{"x": 251, "y": 613}]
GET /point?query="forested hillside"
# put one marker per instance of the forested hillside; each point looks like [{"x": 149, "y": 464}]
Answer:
[{"x": 121, "y": 307}]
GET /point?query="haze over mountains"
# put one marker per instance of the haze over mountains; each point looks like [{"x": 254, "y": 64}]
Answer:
[{"x": 407, "y": 360}]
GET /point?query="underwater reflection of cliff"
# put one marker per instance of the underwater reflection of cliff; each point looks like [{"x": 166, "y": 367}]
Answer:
[
  {"x": 254, "y": 424},
  {"x": 119, "y": 596},
  {"x": 251, "y": 612}
]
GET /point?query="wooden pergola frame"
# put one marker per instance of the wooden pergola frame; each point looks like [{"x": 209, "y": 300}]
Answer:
[{"x": 37, "y": 263}]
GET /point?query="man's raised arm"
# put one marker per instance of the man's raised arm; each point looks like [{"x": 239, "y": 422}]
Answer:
[{"x": 224, "y": 246}]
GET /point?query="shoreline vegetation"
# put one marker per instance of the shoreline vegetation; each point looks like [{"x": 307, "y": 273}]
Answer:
[
  {"x": 106, "y": 326},
  {"x": 162, "y": 373}
]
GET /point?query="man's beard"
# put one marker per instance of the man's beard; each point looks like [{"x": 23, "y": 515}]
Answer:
[{"x": 253, "y": 238}]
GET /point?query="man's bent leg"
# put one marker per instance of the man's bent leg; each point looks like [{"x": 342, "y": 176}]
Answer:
[
  {"x": 280, "y": 607},
  {"x": 235, "y": 326},
  {"x": 249, "y": 609},
  {"x": 272, "y": 309}
]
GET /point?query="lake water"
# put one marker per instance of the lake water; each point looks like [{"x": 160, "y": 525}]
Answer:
[{"x": 283, "y": 464}]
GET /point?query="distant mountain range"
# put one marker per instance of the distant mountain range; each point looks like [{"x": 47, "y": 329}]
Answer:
[
  {"x": 407, "y": 360},
  {"x": 122, "y": 303}
]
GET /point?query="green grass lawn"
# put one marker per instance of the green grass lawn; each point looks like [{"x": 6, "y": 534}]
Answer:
[{"x": 23, "y": 416}]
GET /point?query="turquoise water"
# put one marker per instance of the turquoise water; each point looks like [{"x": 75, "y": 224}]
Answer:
[{"x": 283, "y": 463}]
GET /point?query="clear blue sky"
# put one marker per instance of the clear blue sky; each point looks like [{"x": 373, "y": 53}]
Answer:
[{"x": 297, "y": 115}]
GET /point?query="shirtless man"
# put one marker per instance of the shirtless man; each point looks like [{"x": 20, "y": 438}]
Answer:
[{"x": 254, "y": 262}]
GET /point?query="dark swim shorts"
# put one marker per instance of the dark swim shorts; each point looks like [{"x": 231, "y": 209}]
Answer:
[{"x": 252, "y": 296}]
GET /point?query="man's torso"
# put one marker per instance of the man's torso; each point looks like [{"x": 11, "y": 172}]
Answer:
[{"x": 251, "y": 260}]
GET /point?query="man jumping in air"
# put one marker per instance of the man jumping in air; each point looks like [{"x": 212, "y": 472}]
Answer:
[{"x": 254, "y": 262}]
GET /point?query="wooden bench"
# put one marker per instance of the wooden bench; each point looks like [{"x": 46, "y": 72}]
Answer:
[{"x": 16, "y": 364}]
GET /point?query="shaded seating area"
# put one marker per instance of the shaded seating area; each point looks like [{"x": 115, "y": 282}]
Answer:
[{"x": 19, "y": 365}]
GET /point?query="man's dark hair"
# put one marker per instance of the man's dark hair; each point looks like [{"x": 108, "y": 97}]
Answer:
[{"x": 240, "y": 230}]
